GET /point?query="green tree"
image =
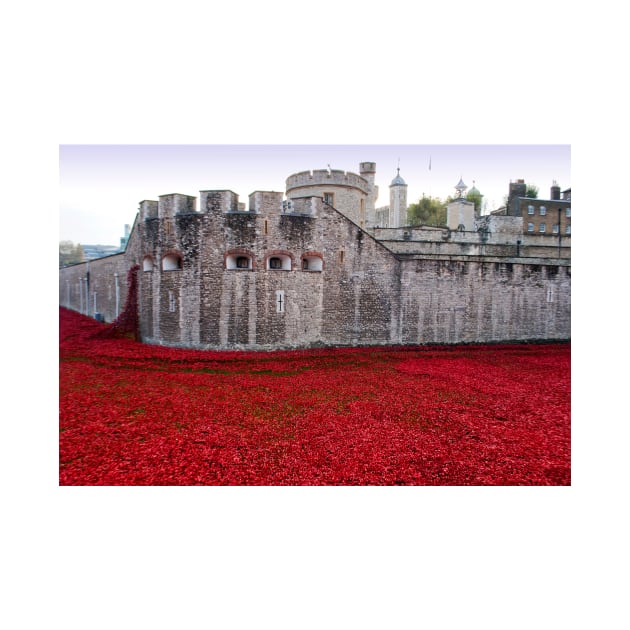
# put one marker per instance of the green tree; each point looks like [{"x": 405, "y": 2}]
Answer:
[
  {"x": 476, "y": 198},
  {"x": 69, "y": 253},
  {"x": 428, "y": 211},
  {"x": 531, "y": 191}
]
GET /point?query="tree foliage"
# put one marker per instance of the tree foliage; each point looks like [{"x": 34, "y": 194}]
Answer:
[
  {"x": 476, "y": 198},
  {"x": 531, "y": 191},
  {"x": 428, "y": 211},
  {"x": 69, "y": 253}
]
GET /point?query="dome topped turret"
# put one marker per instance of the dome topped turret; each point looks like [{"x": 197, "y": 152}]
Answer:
[
  {"x": 398, "y": 180},
  {"x": 461, "y": 188},
  {"x": 474, "y": 190}
]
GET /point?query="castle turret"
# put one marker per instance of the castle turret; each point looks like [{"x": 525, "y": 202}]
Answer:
[
  {"x": 346, "y": 192},
  {"x": 398, "y": 201},
  {"x": 368, "y": 172},
  {"x": 460, "y": 213}
]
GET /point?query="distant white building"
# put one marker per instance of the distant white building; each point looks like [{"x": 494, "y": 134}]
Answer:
[{"x": 92, "y": 252}]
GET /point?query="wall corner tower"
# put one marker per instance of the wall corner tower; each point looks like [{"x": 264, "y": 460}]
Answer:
[
  {"x": 398, "y": 201},
  {"x": 367, "y": 170}
]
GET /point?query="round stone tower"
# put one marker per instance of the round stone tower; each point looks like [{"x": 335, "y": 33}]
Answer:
[
  {"x": 347, "y": 192},
  {"x": 398, "y": 201}
]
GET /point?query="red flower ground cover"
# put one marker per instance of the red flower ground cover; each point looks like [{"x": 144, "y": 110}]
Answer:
[{"x": 135, "y": 414}]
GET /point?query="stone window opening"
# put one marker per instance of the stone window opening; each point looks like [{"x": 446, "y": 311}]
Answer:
[
  {"x": 239, "y": 260},
  {"x": 329, "y": 198},
  {"x": 312, "y": 262},
  {"x": 147, "y": 263},
  {"x": 279, "y": 262},
  {"x": 171, "y": 262}
]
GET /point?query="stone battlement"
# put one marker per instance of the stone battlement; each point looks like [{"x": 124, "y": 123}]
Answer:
[{"x": 325, "y": 177}]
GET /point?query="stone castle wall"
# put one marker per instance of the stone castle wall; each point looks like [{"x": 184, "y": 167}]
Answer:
[
  {"x": 99, "y": 286},
  {"x": 464, "y": 301},
  {"x": 207, "y": 279}
]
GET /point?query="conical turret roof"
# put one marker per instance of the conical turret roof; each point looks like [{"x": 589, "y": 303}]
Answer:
[{"x": 398, "y": 180}]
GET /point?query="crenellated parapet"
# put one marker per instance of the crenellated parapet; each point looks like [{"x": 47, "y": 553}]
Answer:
[
  {"x": 148, "y": 210},
  {"x": 265, "y": 202},
  {"x": 326, "y": 177},
  {"x": 173, "y": 204},
  {"x": 221, "y": 201}
]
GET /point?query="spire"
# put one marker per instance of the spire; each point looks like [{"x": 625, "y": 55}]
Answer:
[{"x": 461, "y": 188}]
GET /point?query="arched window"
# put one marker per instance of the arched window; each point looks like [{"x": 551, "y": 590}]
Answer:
[
  {"x": 239, "y": 260},
  {"x": 279, "y": 262},
  {"x": 312, "y": 262},
  {"x": 171, "y": 262},
  {"x": 147, "y": 263}
]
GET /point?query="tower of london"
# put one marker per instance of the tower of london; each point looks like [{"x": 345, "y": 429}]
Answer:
[{"x": 321, "y": 265}]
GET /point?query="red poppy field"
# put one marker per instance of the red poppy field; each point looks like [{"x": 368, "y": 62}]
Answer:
[{"x": 135, "y": 414}]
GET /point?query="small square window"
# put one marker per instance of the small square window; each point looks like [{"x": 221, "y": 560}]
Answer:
[{"x": 329, "y": 198}]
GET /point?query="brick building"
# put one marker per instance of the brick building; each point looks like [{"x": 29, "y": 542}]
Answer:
[{"x": 550, "y": 216}]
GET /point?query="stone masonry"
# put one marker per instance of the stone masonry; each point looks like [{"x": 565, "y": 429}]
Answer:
[{"x": 306, "y": 274}]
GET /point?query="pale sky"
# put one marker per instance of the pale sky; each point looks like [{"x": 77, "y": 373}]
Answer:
[{"x": 101, "y": 185}]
